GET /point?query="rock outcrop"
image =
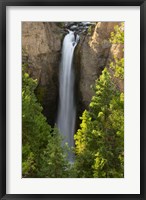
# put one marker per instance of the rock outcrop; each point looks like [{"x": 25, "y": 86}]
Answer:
[
  {"x": 42, "y": 41},
  {"x": 93, "y": 54}
]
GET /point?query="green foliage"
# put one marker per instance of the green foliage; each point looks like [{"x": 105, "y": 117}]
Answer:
[
  {"x": 90, "y": 30},
  {"x": 28, "y": 165},
  {"x": 60, "y": 24},
  {"x": 118, "y": 35},
  {"x": 99, "y": 141},
  {"x": 42, "y": 153},
  {"x": 40, "y": 92},
  {"x": 34, "y": 126},
  {"x": 118, "y": 67},
  {"x": 54, "y": 158}
]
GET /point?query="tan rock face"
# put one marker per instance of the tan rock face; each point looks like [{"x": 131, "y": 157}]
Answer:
[
  {"x": 42, "y": 43},
  {"x": 117, "y": 51},
  {"x": 95, "y": 53}
]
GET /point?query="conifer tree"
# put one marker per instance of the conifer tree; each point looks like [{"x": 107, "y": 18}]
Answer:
[
  {"x": 42, "y": 152},
  {"x": 99, "y": 141}
]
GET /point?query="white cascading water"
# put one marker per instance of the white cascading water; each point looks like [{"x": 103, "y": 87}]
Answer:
[{"x": 67, "y": 110}]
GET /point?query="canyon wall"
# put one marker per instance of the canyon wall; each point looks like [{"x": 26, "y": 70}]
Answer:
[
  {"x": 41, "y": 43},
  {"x": 93, "y": 54}
]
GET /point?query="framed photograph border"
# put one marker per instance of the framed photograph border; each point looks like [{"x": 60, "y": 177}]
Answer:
[{"x": 3, "y": 166}]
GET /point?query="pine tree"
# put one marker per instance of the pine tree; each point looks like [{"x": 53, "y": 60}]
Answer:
[
  {"x": 54, "y": 159},
  {"x": 99, "y": 141},
  {"x": 34, "y": 127},
  {"x": 117, "y": 37},
  {"x": 42, "y": 151}
]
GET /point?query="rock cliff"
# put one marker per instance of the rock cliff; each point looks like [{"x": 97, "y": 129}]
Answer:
[
  {"x": 42, "y": 43},
  {"x": 93, "y": 54}
]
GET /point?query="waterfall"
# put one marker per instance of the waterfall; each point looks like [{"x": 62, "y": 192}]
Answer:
[{"x": 67, "y": 110}]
